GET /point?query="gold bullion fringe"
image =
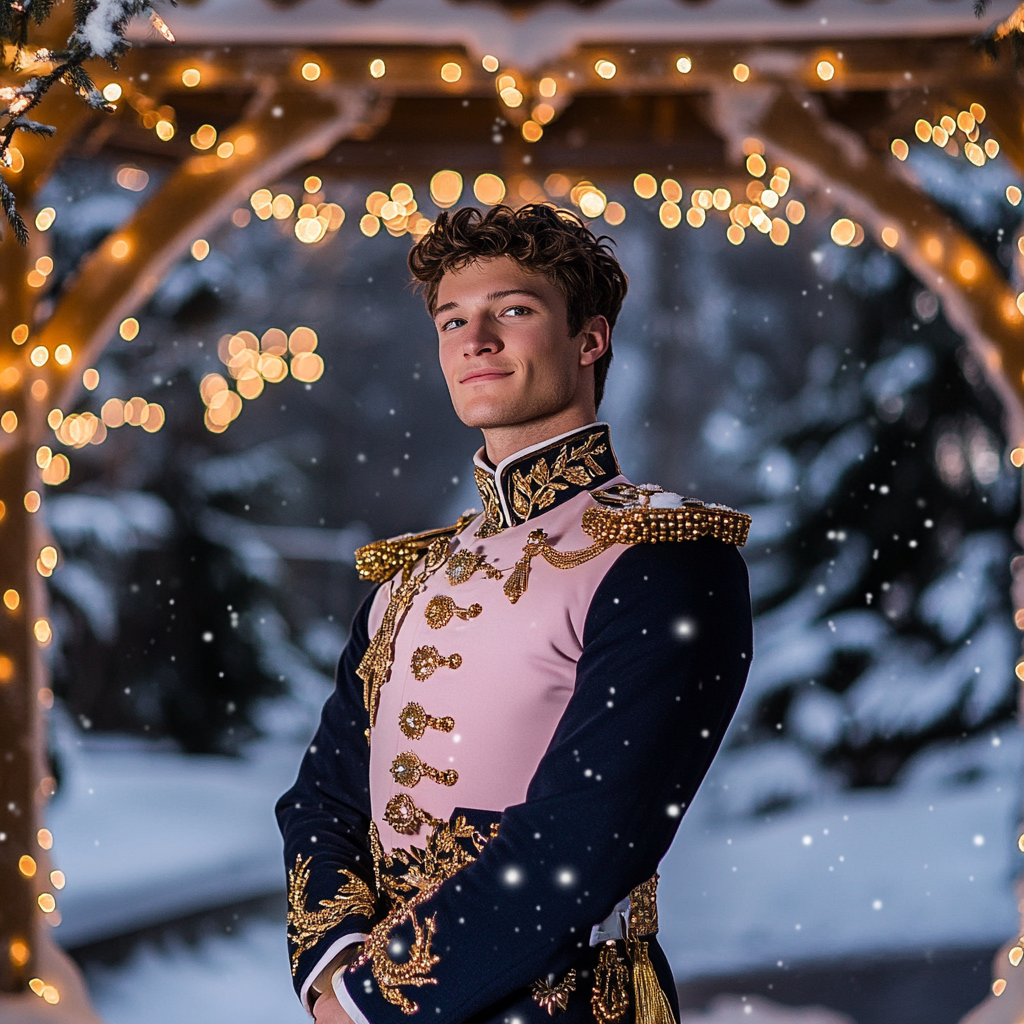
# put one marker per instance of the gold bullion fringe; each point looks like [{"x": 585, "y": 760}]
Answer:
[
  {"x": 380, "y": 561},
  {"x": 652, "y": 1005},
  {"x": 646, "y": 525}
]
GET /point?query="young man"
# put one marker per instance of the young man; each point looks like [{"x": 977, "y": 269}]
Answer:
[{"x": 530, "y": 699}]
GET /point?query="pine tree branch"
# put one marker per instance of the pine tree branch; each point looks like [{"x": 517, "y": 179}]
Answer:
[{"x": 100, "y": 27}]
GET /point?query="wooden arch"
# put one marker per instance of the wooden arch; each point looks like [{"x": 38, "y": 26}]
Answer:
[{"x": 294, "y": 122}]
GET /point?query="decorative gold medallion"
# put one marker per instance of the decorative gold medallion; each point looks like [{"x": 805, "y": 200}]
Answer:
[
  {"x": 427, "y": 660},
  {"x": 414, "y": 721},
  {"x": 441, "y": 609},
  {"x": 407, "y": 769},
  {"x": 553, "y": 997},
  {"x": 464, "y": 563},
  {"x": 307, "y": 927},
  {"x": 610, "y": 998},
  {"x": 405, "y": 817}
]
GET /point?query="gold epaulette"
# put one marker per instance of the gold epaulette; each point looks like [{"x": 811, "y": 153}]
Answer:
[
  {"x": 648, "y": 515},
  {"x": 380, "y": 561}
]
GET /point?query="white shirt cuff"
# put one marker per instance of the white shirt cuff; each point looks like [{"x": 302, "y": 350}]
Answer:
[
  {"x": 332, "y": 951},
  {"x": 346, "y": 1000}
]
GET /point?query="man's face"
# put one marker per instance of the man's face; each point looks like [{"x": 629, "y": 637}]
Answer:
[{"x": 504, "y": 344}]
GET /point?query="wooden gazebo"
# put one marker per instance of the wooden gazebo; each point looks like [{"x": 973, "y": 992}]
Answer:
[{"x": 539, "y": 95}]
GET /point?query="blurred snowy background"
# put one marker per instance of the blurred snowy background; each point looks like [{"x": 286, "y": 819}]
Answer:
[{"x": 864, "y": 809}]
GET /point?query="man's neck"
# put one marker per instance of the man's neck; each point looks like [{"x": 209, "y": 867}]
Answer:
[{"x": 501, "y": 442}]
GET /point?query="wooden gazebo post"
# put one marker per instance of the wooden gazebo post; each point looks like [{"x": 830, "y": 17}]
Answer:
[{"x": 287, "y": 129}]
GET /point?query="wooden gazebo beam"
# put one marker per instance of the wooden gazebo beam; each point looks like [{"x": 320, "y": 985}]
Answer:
[
  {"x": 874, "y": 190},
  {"x": 290, "y": 129},
  {"x": 861, "y": 65}
]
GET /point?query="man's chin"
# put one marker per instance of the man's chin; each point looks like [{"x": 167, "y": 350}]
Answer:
[{"x": 491, "y": 417}]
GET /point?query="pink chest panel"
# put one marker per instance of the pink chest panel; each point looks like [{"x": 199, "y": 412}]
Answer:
[{"x": 516, "y": 671}]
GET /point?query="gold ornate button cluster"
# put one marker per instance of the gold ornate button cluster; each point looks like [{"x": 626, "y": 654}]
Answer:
[
  {"x": 407, "y": 769},
  {"x": 402, "y": 814},
  {"x": 427, "y": 660},
  {"x": 442, "y": 609},
  {"x": 414, "y": 721}
]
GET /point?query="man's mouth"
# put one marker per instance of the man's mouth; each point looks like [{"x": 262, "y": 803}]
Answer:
[{"x": 482, "y": 376}]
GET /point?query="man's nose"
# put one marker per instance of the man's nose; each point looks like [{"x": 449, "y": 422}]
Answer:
[{"x": 479, "y": 338}]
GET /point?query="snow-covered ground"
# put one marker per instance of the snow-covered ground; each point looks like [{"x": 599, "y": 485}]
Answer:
[{"x": 145, "y": 835}]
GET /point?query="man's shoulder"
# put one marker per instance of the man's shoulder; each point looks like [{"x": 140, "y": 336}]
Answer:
[
  {"x": 381, "y": 560},
  {"x": 648, "y": 514}
]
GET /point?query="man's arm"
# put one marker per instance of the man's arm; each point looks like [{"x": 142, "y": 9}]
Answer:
[
  {"x": 324, "y": 819},
  {"x": 666, "y": 648}
]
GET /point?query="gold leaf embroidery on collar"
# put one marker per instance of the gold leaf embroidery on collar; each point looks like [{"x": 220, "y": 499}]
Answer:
[
  {"x": 536, "y": 491},
  {"x": 307, "y": 927}
]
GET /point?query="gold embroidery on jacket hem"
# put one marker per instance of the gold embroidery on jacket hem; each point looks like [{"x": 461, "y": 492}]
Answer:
[
  {"x": 407, "y": 769},
  {"x": 414, "y": 721},
  {"x": 553, "y": 997},
  {"x": 441, "y": 609},
  {"x": 307, "y": 927},
  {"x": 375, "y": 667},
  {"x": 610, "y": 998},
  {"x": 445, "y": 854}
]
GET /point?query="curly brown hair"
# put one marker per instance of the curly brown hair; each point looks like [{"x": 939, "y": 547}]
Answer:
[{"x": 555, "y": 243}]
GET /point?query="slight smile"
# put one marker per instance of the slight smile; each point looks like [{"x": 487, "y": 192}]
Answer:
[{"x": 483, "y": 376}]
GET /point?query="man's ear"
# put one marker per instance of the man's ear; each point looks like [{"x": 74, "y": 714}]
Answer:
[{"x": 595, "y": 340}]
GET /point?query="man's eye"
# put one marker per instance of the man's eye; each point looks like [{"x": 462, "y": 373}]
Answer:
[
  {"x": 516, "y": 310},
  {"x": 454, "y": 322}
]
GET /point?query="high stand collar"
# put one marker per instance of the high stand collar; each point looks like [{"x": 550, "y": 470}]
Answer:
[{"x": 535, "y": 480}]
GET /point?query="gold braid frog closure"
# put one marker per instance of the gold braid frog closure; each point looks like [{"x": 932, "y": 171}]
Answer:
[{"x": 375, "y": 667}]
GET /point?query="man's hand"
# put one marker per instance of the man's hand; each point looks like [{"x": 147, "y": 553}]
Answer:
[{"x": 327, "y": 1010}]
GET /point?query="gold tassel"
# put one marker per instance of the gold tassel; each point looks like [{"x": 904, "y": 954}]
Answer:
[
  {"x": 652, "y": 1005},
  {"x": 516, "y": 584}
]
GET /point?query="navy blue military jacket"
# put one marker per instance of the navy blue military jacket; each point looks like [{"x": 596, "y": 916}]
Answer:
[{"x": 523, "y": 712}]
